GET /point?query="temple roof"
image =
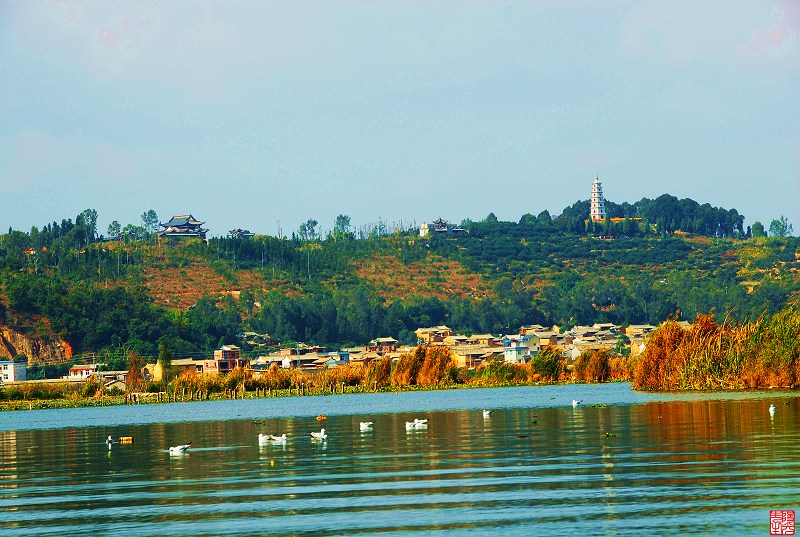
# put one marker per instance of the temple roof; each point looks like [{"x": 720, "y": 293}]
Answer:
[{"x": 183, "y": 220}]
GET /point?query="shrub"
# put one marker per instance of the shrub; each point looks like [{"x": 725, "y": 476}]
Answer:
[
  {"x": 547, "y": 364},
  {"x": 499, "y": 372}
]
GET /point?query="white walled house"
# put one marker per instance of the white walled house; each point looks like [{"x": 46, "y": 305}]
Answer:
[
  {"x": 517, "y": 349},
  {"x": 12, "y": 371}
]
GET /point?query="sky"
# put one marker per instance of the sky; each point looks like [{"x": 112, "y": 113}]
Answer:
[{"x": 262, "y": 115}]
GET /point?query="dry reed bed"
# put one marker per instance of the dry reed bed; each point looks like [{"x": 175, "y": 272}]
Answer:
[{"x": 710, "y": 356}]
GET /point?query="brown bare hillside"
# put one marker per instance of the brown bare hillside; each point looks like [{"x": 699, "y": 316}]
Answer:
[
  {"x": 435, "y": 276},
  {"x": 178, "y": 288}
]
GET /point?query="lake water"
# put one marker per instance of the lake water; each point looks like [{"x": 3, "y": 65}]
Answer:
[{"x": 669, "y": 465}]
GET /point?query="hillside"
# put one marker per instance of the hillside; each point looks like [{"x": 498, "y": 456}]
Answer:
[{"x": 114, "y": 296}]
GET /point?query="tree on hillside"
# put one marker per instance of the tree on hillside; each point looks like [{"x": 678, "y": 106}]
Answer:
[
  {"x": 758, "y": 229},
  {"x": 114, "y": 230},
  {"x": 780, "y": 228},
  {"x": 88, "y": 221},
  {"x": 150, "y": 222},
  {"x": 308, "y": 230},
  {"x": 342, "y": 225},
  {"x": 544, "y": 218}
]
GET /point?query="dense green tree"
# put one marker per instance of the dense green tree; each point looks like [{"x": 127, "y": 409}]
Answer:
[
  {"x": 165, "y": 359},
  {"x": 114, "y": 230},
  {"x": 780, "y": 227},
  {"x": 342, "y": 225}
]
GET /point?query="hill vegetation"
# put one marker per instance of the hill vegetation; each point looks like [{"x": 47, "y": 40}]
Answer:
[{"x": 134, "y": 293}]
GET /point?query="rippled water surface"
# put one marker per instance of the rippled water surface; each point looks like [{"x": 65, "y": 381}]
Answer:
[{"x": 621, "y": 463}]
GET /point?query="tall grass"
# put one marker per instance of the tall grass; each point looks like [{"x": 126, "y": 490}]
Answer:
[
  {"x": 761, "y": 354},
  {"x": 427, "y": 365},
  {"x": 378, "y": 374},
  {"x": 593, "y": 366}
]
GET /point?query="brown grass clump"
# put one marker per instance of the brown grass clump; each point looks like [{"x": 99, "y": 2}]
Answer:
[
  {"x": 407, "y": 367},
  {"x": 659, "y": 364},
  {"x": 379, "y": 373},
  {"x": 593, "y": 366},
  {"x": 438, "y": 367},
  {"x": 346, "y": 374},
  {"x": 427, "y": 365}
]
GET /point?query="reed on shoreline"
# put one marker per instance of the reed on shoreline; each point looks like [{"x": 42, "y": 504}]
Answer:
[
  {"x": 427, "y": 367},
  {"x": 711, "y": 356}
]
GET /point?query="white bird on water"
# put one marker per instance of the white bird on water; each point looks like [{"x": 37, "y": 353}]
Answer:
[
  {"x": 178, "y": 450},
  {"x": 575, "y": 402},
  {"x": 265, "y": 439},
  {"x": 771, "y": 410},
  {"x": 365, "y": 425},
  {"x": 487, "y": 413},
  {"x": 416, "y": 424},
  {"x": 319, "y": 435}
]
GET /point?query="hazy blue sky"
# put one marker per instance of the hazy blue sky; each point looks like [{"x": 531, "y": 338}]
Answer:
[{"x": 247, "y": 114}]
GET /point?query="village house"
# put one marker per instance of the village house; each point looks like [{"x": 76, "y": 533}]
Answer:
[
  {"x": 11, "y": 371},
  {"x": 574, "y": 352},
  {"x": 606, "y": 327},
  {"x": 364, "y": 358},
  {"x": 226, "y": 359},
  {"x": 454, "y": 340},
  {"x": 300, "y": 361},
  {"x": 487, "y": 340},
  {"x": 434, "y": 334},
  {"x": 155, "y": 372},
  {"x": 329, "y": 360},
  {"x": 79, "y": 373},
  {"x": 517, "y": 349},
  {"x": 540, "y": 340},
  {"x": 531, "y": 329},
  {"x": 638, "y": 330},
  {"x": 113, "y": 380},
  {"x": 474, "y": 355},
  {"x": 382, "y": 345}
]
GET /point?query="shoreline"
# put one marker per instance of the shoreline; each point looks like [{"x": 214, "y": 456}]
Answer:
[
  {"x": 150, "y": 398},
  {"x": 109, "y": 401}
]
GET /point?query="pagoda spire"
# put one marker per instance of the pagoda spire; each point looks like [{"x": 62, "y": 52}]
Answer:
[{"x": 597, "y": 203}]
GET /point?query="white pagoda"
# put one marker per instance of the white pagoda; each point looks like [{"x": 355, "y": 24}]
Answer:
[{"x": 597, "y": 205}]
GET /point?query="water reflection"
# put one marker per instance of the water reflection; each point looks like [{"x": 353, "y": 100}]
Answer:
[{"x": 651, "y": 468}]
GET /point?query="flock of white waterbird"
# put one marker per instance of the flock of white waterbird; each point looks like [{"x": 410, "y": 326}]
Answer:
[{"x": 322, "y": 435}]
